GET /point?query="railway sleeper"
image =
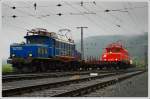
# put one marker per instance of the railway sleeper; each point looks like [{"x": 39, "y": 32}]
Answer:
[
  {"x": 92, "y": 88},
  {"x": 104, "y": 84}
]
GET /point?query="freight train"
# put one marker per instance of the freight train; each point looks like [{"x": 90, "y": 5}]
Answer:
[{"x": 47, "y": 51}]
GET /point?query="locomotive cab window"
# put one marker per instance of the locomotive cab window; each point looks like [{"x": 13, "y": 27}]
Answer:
[
  {"x": 73, "y": 47},
  {"x": 57, "y": 44},
  {"x": 108, "y": 50},
  {"x": 61, "y": 45},
  {"x": 116, "y": 50},
  {"x": 42, "y": 51},
  {"x": 67, "y": 47},
  {"x": 64, "y": 45},
  {"x": 36, "y": 40},
  {"x": 113, "y": 50}
]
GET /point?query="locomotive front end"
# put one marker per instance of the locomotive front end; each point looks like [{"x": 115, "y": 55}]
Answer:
[
  {"x": 24, "y": 54},
  {"x": 115, "y": 56}
]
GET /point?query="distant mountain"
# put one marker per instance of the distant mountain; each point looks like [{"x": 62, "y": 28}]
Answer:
[{"x": 136, "y": 45}]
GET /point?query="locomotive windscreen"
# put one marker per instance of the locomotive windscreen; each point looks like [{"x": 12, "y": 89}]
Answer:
[
  {"x": 36, "y": 40},
  {"x": 113, "y": 49}
]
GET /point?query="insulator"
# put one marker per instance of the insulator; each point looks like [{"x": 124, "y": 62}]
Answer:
[
  {"x": 13, "y": 7},
  {"x": 58, "y": 5}
]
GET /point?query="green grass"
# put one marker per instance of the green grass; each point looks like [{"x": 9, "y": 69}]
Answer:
[{"x": 7, "y": 68}]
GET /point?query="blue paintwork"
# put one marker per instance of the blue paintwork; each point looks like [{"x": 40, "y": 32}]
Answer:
[
  {"x": 23, "y": 51},
  {"x": 48, "y": 44}
]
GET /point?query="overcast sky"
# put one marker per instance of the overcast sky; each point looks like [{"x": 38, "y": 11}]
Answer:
[{"x": 122, "y": 18}]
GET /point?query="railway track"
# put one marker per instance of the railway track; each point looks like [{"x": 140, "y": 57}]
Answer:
[
  {"x": 28, "y": 76},
  {"x": 18, "y": 77},
  {"x": 84, "y": 88},
  {"x": 69, "y": 87}
]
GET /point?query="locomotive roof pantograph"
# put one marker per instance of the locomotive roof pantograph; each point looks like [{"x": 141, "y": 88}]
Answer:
[{"x": 44, "y": 32}]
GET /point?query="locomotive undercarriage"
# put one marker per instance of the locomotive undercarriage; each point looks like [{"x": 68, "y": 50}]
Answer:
[
  {"x": 48, "y": 65},
  {"x": 115, "y": 64},
  {"x": 45, "y": 65}
]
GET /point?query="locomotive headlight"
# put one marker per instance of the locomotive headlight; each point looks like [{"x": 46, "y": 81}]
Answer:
[
  {"x": 104, "y": 56},
  {"x": 116, "y": 59},
  {"x": 30, "y": 54},
  {"x": 13, "y": 55}
]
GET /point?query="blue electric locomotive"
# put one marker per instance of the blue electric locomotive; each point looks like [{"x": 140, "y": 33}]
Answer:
[{"x": 44, "y": 51}]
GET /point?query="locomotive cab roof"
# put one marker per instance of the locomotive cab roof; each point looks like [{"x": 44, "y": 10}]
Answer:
[
  {"x": 116, "y": 45},
  {"x": 40, "y": 32}
]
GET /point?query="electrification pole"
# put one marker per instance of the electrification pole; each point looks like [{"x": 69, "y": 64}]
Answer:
[
  {"x": 146, "y": 56},
  {"x": 82, "y": 46}
]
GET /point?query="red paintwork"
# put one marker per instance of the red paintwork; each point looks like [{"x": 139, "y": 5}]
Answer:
[{"x": 115, "y": 52}]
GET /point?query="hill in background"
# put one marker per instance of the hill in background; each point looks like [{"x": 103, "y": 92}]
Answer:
[{"x": 136, "y": 45}]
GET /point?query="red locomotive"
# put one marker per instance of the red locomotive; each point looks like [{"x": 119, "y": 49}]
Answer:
[{"x": 115, "y": 55}]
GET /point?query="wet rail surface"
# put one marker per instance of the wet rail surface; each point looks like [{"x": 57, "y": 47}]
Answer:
[{"x": 48, "y": 84}]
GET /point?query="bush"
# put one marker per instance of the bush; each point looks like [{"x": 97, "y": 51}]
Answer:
[{"x": 7, "y": 68}]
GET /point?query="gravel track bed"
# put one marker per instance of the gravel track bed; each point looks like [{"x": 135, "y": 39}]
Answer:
[
  {"x": 23, "y": 83},
  {"x": 71, "y": 87},
  {"x": 136, "y": 86}
]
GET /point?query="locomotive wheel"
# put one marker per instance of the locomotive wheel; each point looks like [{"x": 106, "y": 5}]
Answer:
[
  {"x": 17, "y": 67},
  {"x": 42, "y": 67},
  {"x": 117, "y": 67},
  {"x": 34, "y": 68},
  {"x": 25, "y": 69}
]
